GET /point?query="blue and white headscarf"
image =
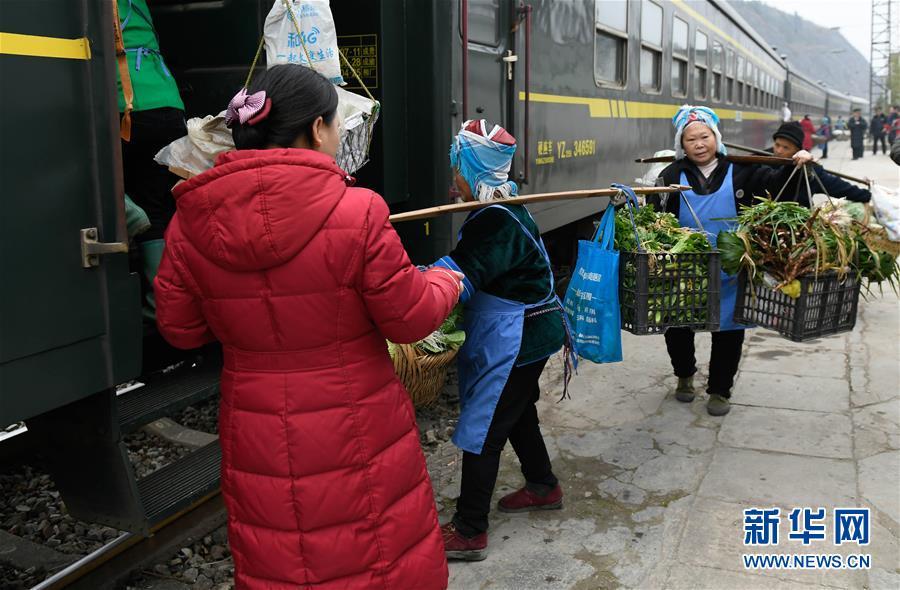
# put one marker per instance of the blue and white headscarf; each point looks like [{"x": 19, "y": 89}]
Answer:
[
  {"x": 483, "y": 158},
  {"x": 688, "y": 114}
]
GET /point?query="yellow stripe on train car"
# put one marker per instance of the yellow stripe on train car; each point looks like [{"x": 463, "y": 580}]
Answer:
[
  {"x": 37, "y": 46},
  {"x": 602, "y": 108}
]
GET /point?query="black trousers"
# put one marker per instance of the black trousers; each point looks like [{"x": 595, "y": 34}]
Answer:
[
  {"x": 147, "y": 183},
  {"x": 875, "y": 140},
  {"x": 857, "y": 148},
  {"x": 515, "y": 419},
  {"x": 723, "y": 360}
]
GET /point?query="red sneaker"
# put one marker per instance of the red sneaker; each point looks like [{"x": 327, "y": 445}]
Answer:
[
  {"x": 459, "y": 547},
  {"x": 524, "y": 500}
]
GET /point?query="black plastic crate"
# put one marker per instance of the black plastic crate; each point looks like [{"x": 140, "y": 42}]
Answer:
[
  {"x": 827, "y": 305},
  {"x": 660, "y": 291}
]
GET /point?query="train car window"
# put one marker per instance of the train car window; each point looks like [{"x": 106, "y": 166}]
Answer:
[
  {"x": 748, "y": 84},
  {"x": 717, "y": 57},
  {"x": 679, "y": 57},
  {"x": 700, "y": 63},
  {"x": 739, "y": 75},
  {"x": 610, "y": 42},
  {"x": 651, "y": 46},
  {"x": 484, "y": 22},
  {"x": 729, "y": 76}
]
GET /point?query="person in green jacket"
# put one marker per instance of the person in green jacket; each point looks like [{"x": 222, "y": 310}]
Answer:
[
  {"x": 157, "y": 119},
  {"x": 514, "y": 322}
]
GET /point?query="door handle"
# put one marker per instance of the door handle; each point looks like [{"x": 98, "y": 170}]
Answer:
[
  {"x": 510, "y": 58},
  {"x": 92, "y": 250}
]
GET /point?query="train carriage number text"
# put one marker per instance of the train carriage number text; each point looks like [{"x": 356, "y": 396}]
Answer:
[{"x": 549, "y": 151}]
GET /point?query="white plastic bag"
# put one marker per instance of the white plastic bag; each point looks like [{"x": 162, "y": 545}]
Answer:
[
  {"x": 317, "y": 34},
  {"x": 650, "y": 177},
  {"x": 358, "y": 116},
  {"x": 196, "y": 152},
  {"x": 886, "y": 203},
  {"x": 208, "y": 137}
]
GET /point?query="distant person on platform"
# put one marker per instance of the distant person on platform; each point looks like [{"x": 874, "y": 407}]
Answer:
[
  {"x": 876, "y": 129},
  {"x": 808, "y": 130},
  {"x": 840, "y": 124},
  {"x": 785, "y": 113},
  {"x": 893, "y": 123},
  {"x": 825, "y": 132},
  {"x": 857, "y": 126},
  {"x": 787, "y": 142}
]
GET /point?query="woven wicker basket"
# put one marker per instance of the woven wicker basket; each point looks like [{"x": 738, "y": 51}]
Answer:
[{"x": 423, "y": 374}]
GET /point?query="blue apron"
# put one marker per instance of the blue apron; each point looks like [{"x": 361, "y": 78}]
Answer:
[
  {"x": 493, "y": 338},
  {"x": 717, "y": 212}
]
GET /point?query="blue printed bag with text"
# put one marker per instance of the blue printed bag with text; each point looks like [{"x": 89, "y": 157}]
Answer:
[{"x": 592, "y": 298}]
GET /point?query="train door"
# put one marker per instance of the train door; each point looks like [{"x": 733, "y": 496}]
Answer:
[
  {"x": 69, "y": 320},
  {"x": 490, "y": 61}
]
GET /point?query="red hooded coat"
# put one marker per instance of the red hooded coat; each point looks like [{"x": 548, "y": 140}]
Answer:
[
  {"x": 301, "y": 279},
  {"x": 808, "y": 130}
]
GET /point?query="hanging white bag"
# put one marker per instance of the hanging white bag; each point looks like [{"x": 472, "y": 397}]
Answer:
[
  {"x": 316, "y": 39},
  {"x": 886, "y": 203}
]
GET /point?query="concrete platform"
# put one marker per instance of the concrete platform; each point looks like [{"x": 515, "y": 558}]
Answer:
[{"x": 655, "y": 489}]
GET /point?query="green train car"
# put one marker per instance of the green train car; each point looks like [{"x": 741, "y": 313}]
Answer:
[{"x": 586, "y": 86}]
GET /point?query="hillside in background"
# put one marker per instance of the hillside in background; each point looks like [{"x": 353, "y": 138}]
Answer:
[{"x": 815, "y": 51}]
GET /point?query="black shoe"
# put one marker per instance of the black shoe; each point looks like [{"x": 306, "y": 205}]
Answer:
[
  {"x": 684, "y": 392},
  {"x": 718, "y": 405}
]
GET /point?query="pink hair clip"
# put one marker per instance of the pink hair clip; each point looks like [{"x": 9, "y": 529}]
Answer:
[{"x": 247, "y": 108}]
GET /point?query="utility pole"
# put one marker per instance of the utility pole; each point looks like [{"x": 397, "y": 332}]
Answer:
[{"x": 880, "y": 54}]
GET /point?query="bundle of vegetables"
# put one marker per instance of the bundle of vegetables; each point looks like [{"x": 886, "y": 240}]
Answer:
[
  {"x": 658, "y": 233},
  {"x": 778, "y": 242},
  {"x": 422, "y": 366},
  {"x": 449, "y": 336},
  {"x": 669, "y": 278}
]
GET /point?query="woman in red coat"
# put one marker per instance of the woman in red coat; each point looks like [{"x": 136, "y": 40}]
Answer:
[
  {"x": 301, "y": 279},
  {"x": 808, "y": 130}
]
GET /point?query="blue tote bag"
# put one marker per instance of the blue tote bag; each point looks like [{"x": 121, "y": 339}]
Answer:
[{"x": 592, "y": 298}]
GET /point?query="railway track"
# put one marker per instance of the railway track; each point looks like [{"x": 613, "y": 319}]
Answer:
[{"x": 114, "y": 563}]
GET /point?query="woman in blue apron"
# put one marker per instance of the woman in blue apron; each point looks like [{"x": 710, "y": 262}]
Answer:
[
  {"x": 513, "y": 323},
  {"x": 718, "y": 189}
]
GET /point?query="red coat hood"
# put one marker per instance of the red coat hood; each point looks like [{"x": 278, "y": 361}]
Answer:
[{"x": 257, "y": 209}]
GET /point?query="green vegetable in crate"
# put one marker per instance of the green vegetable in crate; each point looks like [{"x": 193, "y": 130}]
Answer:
[
  {"x": 449, "y": 336},
  {"x": 658, "y": 232},
  {"x": 677, "y": 287},
  {"x": 786, "y": 241}
]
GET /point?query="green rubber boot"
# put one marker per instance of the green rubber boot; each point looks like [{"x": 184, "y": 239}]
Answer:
[
  {"x": 685, "y": 390},
  {"x": 151, "y": 256},
  {"x": 718, "y": 405}
]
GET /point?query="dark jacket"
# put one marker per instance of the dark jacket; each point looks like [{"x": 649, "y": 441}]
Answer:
[
  {"x": 857, "y": 129},
  {"x": 498, "y": 258},
  {"x": 749, "y": 180},
  {"x": 832, "y": 185},
  {"x": 895, "y": 151},
  {"x": 877, "y": 125}
]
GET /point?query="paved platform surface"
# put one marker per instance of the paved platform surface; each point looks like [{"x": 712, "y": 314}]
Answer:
[{"x": 655, "y": 489}]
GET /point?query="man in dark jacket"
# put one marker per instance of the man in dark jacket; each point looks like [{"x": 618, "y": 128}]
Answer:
[
  {"x": 877, "y": 130},
  {"x": 857, "y": 126},
  {"x": 787, "y": 142}
]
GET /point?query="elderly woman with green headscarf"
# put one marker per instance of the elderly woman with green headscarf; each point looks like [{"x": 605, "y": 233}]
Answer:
[
  {"x": 514, "y": 322},
  {"x": 718, "y": 189}
]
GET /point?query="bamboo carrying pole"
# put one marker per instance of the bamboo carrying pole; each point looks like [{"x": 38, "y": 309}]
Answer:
[
  {"x": 536, "y": 198},
  {"x": 767, "y": 159},
  {"x": 751, "y": 150}
]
